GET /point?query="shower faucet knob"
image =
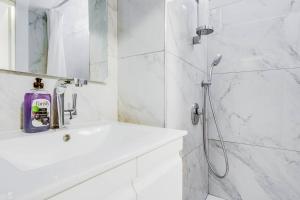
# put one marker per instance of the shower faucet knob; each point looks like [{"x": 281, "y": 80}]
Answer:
[{"x": 195, "y": 114}]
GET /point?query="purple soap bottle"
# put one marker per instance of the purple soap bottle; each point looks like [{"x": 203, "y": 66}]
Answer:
[{"x": 37, "y": 108}]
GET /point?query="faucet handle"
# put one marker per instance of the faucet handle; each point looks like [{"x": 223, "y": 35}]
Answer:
[
  {"x": 80, "y": 82},
  {"x": 74, "y": 98}
]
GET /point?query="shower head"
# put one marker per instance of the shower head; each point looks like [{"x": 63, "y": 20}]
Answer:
[
  {"x": 204, "y": 30},
  {"x": 217, "y": 60}
]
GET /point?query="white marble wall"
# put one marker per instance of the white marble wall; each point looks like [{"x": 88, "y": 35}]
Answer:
[
  {"x": 185, "y": 70},
  {"x": 160, "y": 72},
  {"x": 141, "y": 61},
  {"x": 256, "y": 172},
  {"x": 183, "y": 83},
  {"x": 95, "y": 101},
  {"x": 256, "y": 93}
]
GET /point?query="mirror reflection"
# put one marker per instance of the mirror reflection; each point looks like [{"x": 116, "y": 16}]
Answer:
[{"x": 63, "y": 38}]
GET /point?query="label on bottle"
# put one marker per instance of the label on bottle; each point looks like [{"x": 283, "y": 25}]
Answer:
[{"x": 40, "y": 113}]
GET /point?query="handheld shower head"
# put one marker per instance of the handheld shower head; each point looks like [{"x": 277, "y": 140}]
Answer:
[{"x": 217, "y": 60}]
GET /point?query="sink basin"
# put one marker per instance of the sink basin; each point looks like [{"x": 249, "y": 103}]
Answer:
[
  {"x": 57, "y": 159},
  {"x": 35, "y": 151}
]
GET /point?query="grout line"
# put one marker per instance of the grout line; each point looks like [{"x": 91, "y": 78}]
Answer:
[
  {"x": 256, "y": 145},
  {"x": 225, "y": 5},
  {"x": 253, "y": 21},
  {"x": 183, "y": 60},
  {"x": 192, "y": 150},
  {"x": 141, "y": 54},
  {"x": 258, "y": 70}
]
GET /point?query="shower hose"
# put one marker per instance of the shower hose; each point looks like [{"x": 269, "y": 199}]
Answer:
[{"x": 205, "y": 135}]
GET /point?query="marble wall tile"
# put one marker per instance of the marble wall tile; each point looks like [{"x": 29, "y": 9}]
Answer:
[
  {"x": 221, "y": 3},
  {"x": 95, "y": 101},
  {"x": 185, "y": 70},
  {"x": 255, "y": 10},
  {"x": 269, "y": 44},
  {"x": 183, "y": 90},
  {"x": 141, "y": 89},
  {"x": 258, "y": 108},
  {"x": 256, "y": 173},
  {"x": 195, "y": 175},
  {"x": 99, "y": 71},
  {"x": 141, "y": 26},
  {"x": 181, "y": 24},
  {"x": 263, "y": 36},
  {"x": 159, "y": 88}
]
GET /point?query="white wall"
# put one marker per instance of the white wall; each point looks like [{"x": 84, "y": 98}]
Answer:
[
  {"x": 185, "y": 70},
  {"x": 256, "y": 94},
  {"x": 160, "y": 72},
  {"x": 141, "y": 61}
]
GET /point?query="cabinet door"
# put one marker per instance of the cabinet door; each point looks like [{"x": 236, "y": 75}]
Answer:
[
  {"x": 160, "y": 174},
  {"x": 112, "y": 185}
]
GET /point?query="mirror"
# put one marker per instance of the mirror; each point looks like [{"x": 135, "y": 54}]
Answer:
[{"x": 61, "y": 38}]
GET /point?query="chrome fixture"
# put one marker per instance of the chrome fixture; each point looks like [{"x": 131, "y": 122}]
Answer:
[
  {"x": 202, "y": 30},
  {"x": 59, "y": 95},
  {"x": 215, "y": 63},
  {"x": 195, "y": 114},
  {"x": 206, "y": 86},
  {"x": 66, "y": 138},
  {"x": 72, "y": 112}
]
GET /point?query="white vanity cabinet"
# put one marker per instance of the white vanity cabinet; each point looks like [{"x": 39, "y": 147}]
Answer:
[
  {"x": 113, "y": 184},
  {"x": 159, "y": 174},
  {"x": 156, "y": 175}
]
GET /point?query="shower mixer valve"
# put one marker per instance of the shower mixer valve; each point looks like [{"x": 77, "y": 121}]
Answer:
[{"x": 195, "y": 113}]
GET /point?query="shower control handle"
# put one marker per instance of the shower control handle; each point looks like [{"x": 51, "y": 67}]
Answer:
[{"x": 195, "y": 114}]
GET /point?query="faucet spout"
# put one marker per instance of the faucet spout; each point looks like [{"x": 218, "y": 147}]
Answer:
[{"x": 59, "y": 104}]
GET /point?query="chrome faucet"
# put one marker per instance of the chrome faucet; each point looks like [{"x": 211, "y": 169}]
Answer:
[{"x": 58, "y": 104}]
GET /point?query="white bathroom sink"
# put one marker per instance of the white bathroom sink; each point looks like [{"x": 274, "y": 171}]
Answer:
[
  {"x": 35, "y": 151},
  {"x": 55, "y": 164}
]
